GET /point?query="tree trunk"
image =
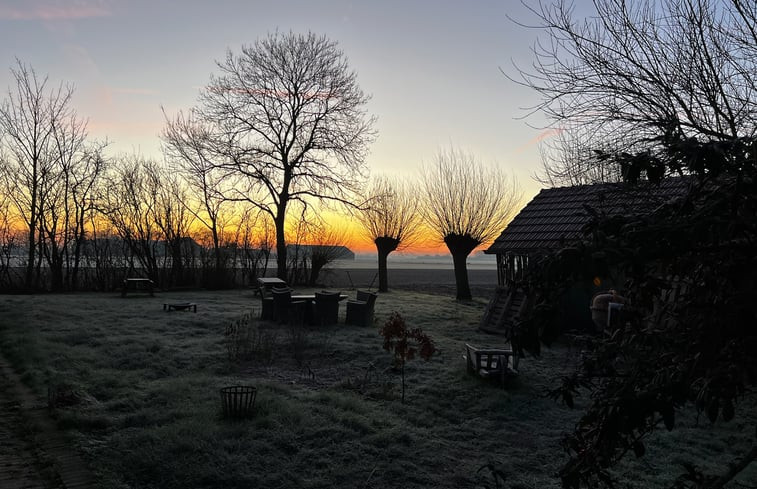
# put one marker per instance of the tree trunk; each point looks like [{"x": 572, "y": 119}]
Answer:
[
  {"x": 54, "y": 258},
  {"x": 30, "y": 258},
  {"x": 281, "y": 246},
  {"x": 177, "y": 264},
  {"x": 56, "y": 273},
  {"x": 315, "y": 271},
  {"x": 384, "y": 246},
  {"x": 40, "y": 246},
  {"x": 78, "y": 245},
  {"x": 32, "y": 238},
  {"x": 460, "y": 246}
]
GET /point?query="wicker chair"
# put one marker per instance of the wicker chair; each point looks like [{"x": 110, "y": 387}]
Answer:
[
  {"x": 266, "y": 303},
  {"x": 326, "y": 308},
  {"x": 360, "y": 310},
  {"x": 285, "y": 310}
]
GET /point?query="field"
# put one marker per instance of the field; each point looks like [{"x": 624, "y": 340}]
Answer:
[{"x": 137, "y": 390}]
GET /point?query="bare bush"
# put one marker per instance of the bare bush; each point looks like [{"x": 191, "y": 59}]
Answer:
[{"x": 246, "y": 340}]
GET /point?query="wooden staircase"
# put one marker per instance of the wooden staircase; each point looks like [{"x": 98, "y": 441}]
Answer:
[{"x": 505, "y": 309}]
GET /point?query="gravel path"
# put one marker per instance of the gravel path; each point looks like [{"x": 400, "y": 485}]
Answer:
[
  {"x": 20, "y": 466},
  {"x": 38, "y": 459}
]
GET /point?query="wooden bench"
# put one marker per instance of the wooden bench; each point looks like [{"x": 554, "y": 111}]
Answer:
[
  {"x": 491, "y": 363},
  {"x": 138, "y": 285},
  {"x": 265, "y": 284},
  {"x": 180, "y": 306}
]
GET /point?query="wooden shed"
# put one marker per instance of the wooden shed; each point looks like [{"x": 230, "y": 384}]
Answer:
[{"x": 553, "y": 219}]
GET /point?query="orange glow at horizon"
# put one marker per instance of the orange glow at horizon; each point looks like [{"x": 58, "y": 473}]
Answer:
[
  {"x": 346, "y": 232},
  {"x": 357, "y": 241}
]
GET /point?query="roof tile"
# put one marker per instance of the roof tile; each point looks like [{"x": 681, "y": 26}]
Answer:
[{"x": 556, "y": 215}]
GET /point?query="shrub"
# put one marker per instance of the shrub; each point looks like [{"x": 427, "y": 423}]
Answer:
[
  {"x": 405, "y": 343},
  {"x": 245, "y": 340}
]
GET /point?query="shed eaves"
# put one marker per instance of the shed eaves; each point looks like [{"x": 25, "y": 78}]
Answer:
[{"x": 557, "y": 216}]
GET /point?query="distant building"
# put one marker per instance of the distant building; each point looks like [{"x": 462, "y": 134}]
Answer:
[{"x": 333, "y": 252}]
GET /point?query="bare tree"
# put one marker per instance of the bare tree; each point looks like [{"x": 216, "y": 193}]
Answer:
[
  {"x": 466, "y": 204},
  {"x": 9, "y": 241},
  {"x": 391, "y": 220},
  {"x": 255, "y": 238},
  {"x": 187, "y": 146},
  {"x": 573, "y": 157},
  {"x": 28, "y": 118},
  {"x": 130, "y": 207},
  {"x": 638, "y": 75},
  {"x": 171, "y": 216},
  {"x": 84, "y": 182},
  {"x": 104, "y": 252},
  {"x": 326, "y": 246},
  {"x": 66, "y": 195},
  {"x": 286, "y": 120},
  {"x": 314, "y": 244}
]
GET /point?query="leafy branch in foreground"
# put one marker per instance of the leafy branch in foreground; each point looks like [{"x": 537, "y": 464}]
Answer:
[
  {"x": 648, "y": 89},
  {"x": 405, "y": 343},
  {"x": 688, "y": 338}
]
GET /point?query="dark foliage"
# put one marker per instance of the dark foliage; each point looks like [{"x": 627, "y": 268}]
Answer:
[{"x": 689, "y": 335}]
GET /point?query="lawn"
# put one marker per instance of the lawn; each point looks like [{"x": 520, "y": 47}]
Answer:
[{"x": 137, "y": 389}]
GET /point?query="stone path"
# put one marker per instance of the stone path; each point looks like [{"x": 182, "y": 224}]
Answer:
[{"x": 38, "y": 458}]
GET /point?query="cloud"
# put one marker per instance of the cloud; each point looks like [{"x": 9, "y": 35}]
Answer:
[
  {"x": 548, "y": 133},
  {"x": 107, "y": 96},
  {"x": 53, "y": 9},
  {"x": 78, "y": 56}
]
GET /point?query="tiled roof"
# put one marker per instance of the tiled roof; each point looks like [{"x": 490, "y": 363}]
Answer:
[{"x": 557, "y": 216}]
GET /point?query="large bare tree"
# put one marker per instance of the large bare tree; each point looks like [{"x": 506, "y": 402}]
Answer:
[
  {"x": 635, "y": 76},
  {"x": 67, "y": 194},
  {"x": 391, "y": 220},
  {"x": 286, "y": 120},
  {"x": 28, "y": 118},
  {"x": 466, "y": 204}
]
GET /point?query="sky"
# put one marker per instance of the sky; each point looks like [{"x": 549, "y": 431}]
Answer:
[{"x": 434, "y": 69}]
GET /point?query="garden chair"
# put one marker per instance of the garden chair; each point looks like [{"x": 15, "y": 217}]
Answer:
[
  {"x": 360, "y": 310},
  {"x": 491, "y": 363},
  {"x": 265, "y": 285},
  {"x": 266, "y": 303},
  {"x": 326, "y": 308},
  {"x": 285, "y": 310}
]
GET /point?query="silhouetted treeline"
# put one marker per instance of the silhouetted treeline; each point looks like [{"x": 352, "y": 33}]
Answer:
[{"x": 105, "y": 262}]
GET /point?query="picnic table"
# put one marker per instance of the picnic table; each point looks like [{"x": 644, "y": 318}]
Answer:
[
  {"x": 137, "y": 285},
  {"x": 267, "y": 283}
]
